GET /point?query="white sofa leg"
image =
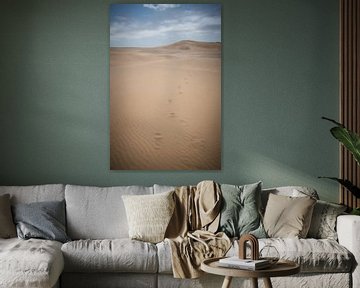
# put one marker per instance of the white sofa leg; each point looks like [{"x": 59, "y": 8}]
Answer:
[{"x": 348, "y": 229}]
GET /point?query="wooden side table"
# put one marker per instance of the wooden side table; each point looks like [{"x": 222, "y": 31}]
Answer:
[{"x": 281, "y": 268}]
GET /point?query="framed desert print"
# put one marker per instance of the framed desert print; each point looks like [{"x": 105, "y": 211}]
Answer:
[{"x": 165, "y": 86}]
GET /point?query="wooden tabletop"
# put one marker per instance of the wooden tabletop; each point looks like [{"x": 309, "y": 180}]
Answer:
[{"x": 281, "y": 268}]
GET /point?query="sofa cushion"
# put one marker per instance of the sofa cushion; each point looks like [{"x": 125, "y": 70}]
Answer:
[
  {"x": 149, "y": 215},
  {"x": 36, "y": 193},
  {"x": 43, "y": 220},
  {"x": 287, "y": 216},
  {"x": 291, "y": 191},
  {"x": 313, "y": 255},
  {"x": 240, "y": 210},
  {"x": 98, "y": 213},
  {"x": 109, "y": 280},
  {"x": 323, "y": 222},
  {"x": 116, "y": 255},
  {"x": 30, "y": 263},
  {"x": 7, "y": 227}
]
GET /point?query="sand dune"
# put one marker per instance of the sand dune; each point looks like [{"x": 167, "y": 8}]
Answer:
[{"x": 165, "y": 107}]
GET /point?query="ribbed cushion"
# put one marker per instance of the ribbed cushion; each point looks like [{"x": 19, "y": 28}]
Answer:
[
  {"x": 117, "y": 255},
  {"x": 30, "y": 263},
  {"x": 98, "y": 213},
  {"x": 149, "y": 215}
]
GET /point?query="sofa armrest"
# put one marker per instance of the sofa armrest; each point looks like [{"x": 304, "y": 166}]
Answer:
[{"x": 348, "y": 230}]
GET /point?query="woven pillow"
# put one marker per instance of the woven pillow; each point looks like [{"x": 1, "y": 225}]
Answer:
[
  {"x": 7, "y": 226},
  {"x": 323, "y": 222},
  {"x": 149, "y": 215},
  {"x": 288, "y": 217}
]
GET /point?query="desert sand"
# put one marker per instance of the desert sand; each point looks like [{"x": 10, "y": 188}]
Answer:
[{"x": 165, "y": 107}]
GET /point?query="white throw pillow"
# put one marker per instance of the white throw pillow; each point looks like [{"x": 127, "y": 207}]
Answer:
[{"x": 149, "y": 215}]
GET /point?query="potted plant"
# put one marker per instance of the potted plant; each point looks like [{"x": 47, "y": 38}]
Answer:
[{"x": 351, "y": 141}]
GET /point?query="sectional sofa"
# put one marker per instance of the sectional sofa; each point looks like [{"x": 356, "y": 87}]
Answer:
[{"x": 100, "y": 253}]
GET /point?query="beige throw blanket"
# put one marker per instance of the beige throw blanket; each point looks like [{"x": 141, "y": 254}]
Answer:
[{"x": 191, "y": 231}]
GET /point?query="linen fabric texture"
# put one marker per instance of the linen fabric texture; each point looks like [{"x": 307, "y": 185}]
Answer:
[
  {"x": 7, "y": 226},
  {"x": 288, "y": 217},
  {"x": 240, "y": 212},
  {"x": 191, "y": 232},
  {"x": 31, "y": 263},
  {"x": 149, "y": 215},
  {"x": 323, "y": 222},
  {"x": 43, "y": 220}
]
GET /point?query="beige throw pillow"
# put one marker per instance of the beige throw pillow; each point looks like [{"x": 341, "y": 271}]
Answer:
[
  {"x": 149, "y": 215},
  {"x": 288, "y": 217},
  {"x": 7, "y": 226}
]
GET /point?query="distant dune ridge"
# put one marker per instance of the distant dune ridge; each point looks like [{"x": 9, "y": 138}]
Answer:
[{"x": 165, "y": 107}]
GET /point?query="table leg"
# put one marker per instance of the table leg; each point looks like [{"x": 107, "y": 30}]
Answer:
[
  {"x": 227, "y": 282},
  {"x": 254, "y": 282},
  {"x": 267, "y": 283}
]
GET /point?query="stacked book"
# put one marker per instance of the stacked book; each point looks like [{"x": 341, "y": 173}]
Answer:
[{"x": 248, "y": 264}]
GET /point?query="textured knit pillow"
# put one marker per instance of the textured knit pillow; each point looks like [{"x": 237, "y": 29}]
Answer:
[
  {"x": 288, "y": 217},
  {"x": 43, "y": 220},
  {"x": 240, "y": 210},
  {"x": 149, "y": 215},
  {"x": 323, "y": 222},
  {"x": 7, "y": 226}
]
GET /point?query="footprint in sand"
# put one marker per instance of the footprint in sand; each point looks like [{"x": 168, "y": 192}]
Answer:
[
  {"x": 158, "y": 139},
  {"x": 197, "y": 142},
  {"x": 172, "y": 115},
  {"x": 180, "y": 90}
]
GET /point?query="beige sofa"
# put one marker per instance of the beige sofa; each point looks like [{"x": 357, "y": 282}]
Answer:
[{"x": 101, "y": 254}]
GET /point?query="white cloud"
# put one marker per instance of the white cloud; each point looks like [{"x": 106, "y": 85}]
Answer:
[
  {"x": 188, "y": 25},
  {"x": 161, "y": 7}
]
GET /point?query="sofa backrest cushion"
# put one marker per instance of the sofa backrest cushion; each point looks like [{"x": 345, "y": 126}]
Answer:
[
  {"x": 36, "y": 193},
  {"x": 7, "y": 226},
  {"x": 98, "y": 212},
  {"x": 292, "y": 191}
]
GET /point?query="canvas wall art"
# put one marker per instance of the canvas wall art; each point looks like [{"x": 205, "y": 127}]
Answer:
[{"x": 165, "y": 86}]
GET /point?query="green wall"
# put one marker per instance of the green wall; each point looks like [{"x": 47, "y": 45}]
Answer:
[{"x": 280, "y": 75}]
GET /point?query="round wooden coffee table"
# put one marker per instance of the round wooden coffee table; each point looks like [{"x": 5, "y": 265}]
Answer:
[{"x": 281, "y": 268}]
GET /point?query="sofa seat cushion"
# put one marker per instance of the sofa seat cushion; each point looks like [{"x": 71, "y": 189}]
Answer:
[
  {"x": 30, "y": 263},
  {"x": 313, "y": 255},
  {"x": 115, "y": 255}
]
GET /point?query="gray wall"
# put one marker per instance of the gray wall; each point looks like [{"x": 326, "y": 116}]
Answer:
[{"x": 280, "y": 75}]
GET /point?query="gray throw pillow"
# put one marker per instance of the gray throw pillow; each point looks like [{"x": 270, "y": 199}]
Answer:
[
  {"x": 240, "y": 213},
  {"x": 44, "y": 220},
  {"x": 7, "y": 226},
  {"x": 323, "y": 222}
]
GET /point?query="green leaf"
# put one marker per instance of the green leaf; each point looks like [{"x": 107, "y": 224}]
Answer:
[
  {"x": 347, "y": 184},
  {"x": 348, "y": 138}
]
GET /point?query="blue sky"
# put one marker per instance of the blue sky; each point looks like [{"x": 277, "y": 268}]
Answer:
[{"x": 152, "y": 25}]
